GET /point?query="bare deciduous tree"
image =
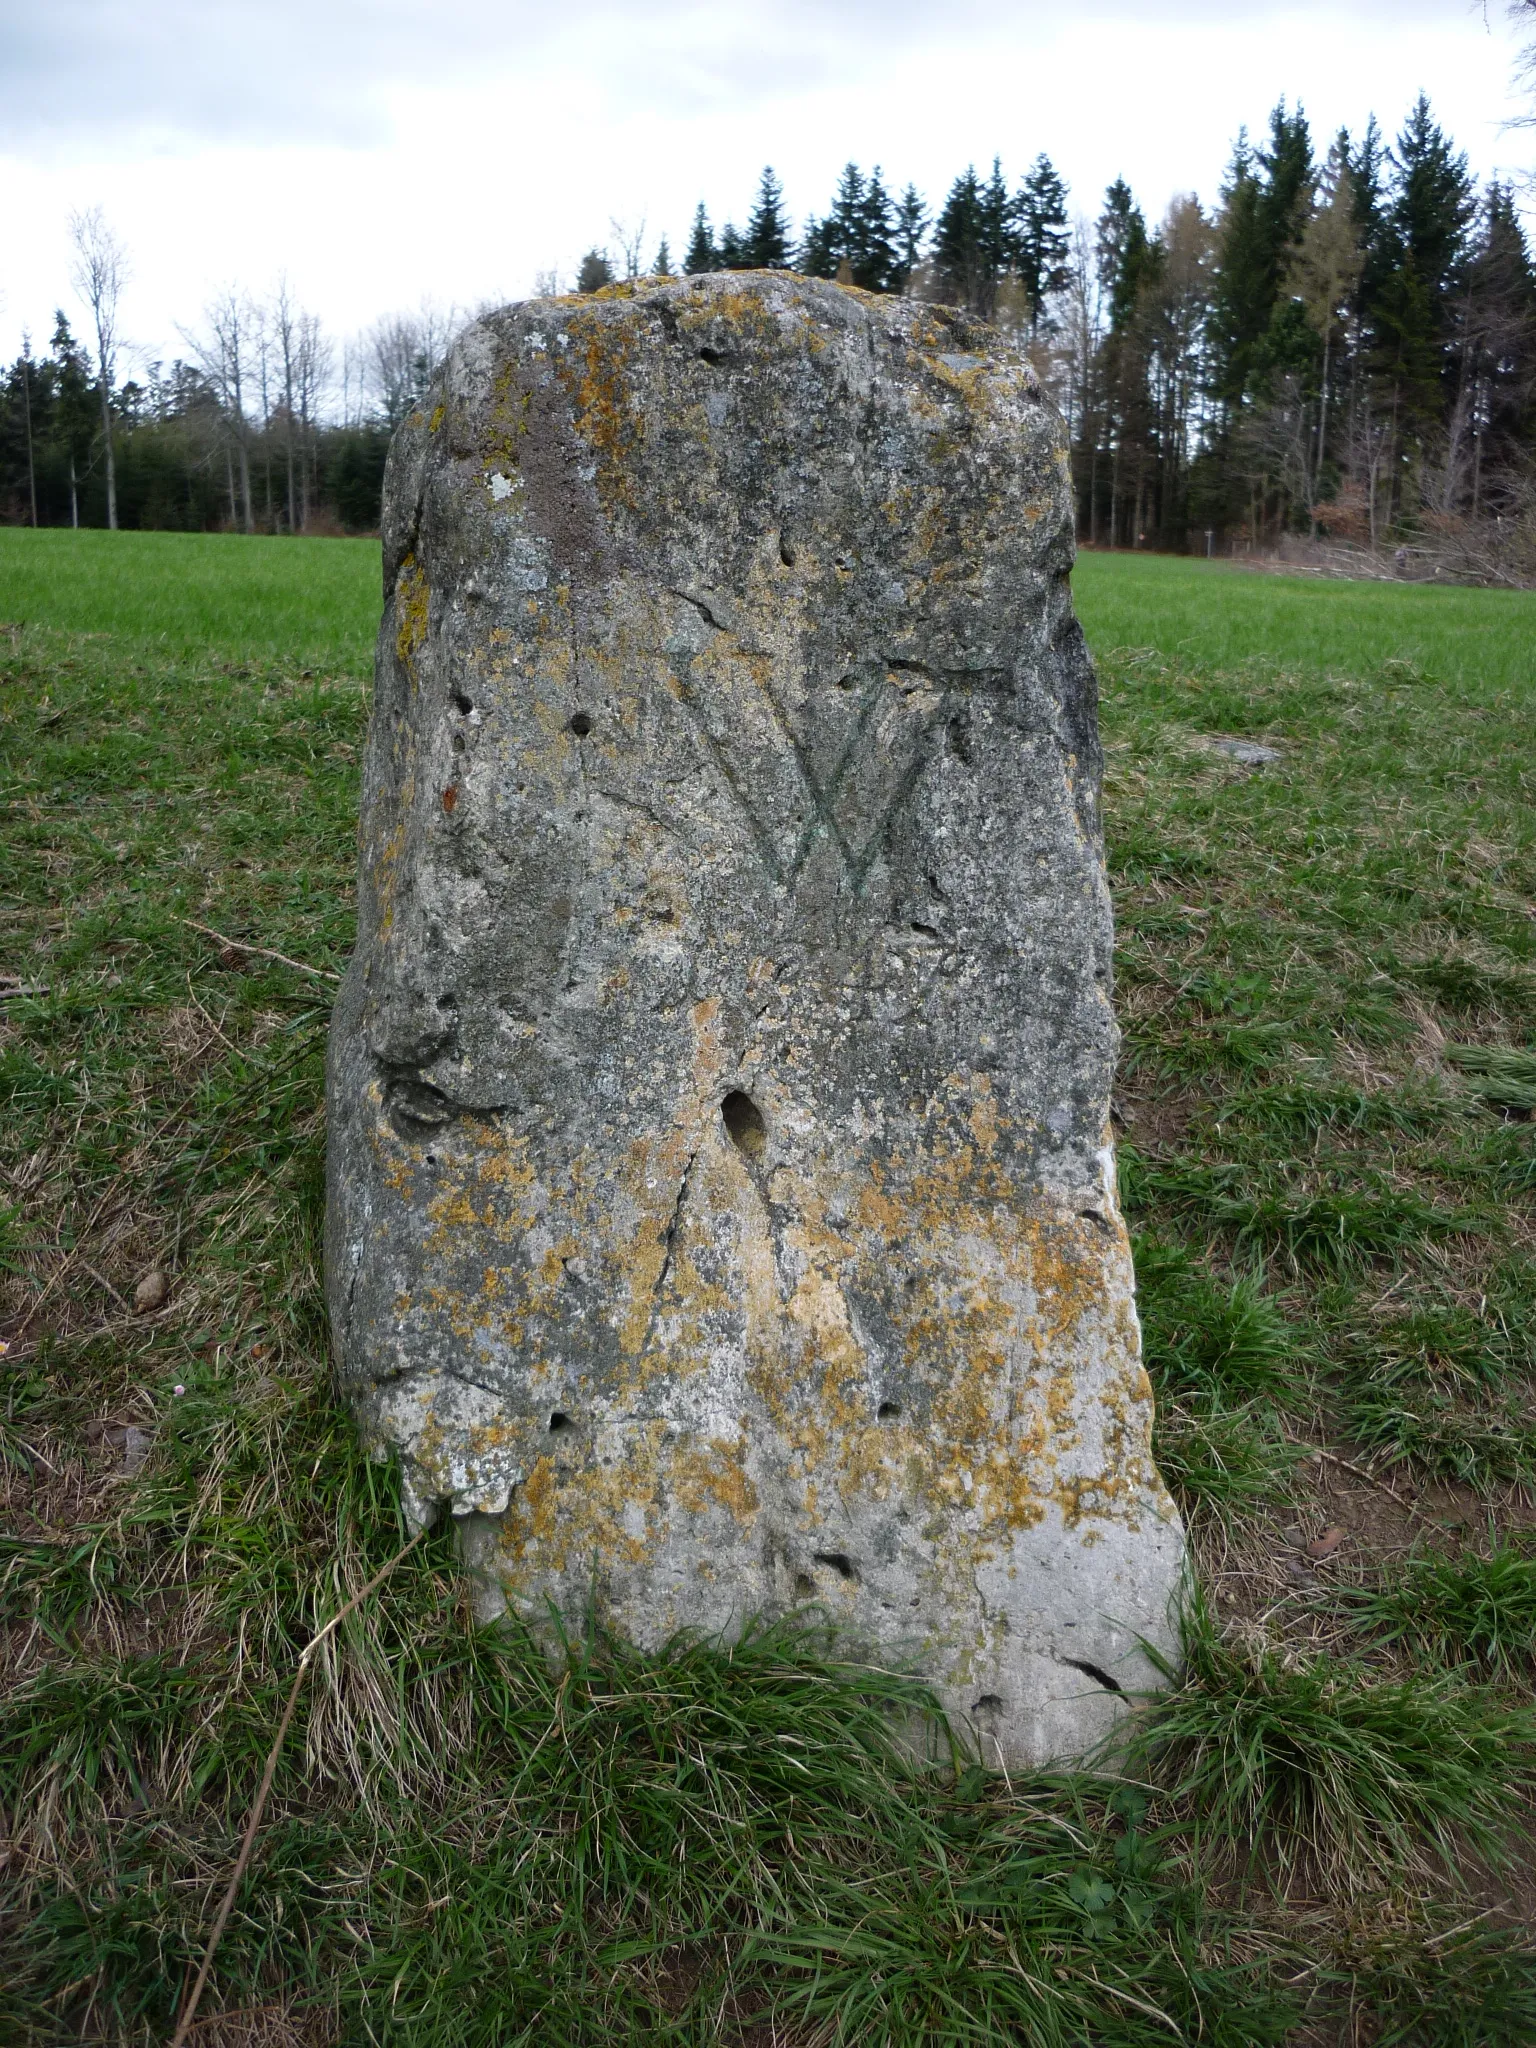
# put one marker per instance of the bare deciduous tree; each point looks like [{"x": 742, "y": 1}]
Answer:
[
  {"x": 223, "y": 356},
  {"x": 630, "y": 241},
  {"x": 404, "y": 353},
  {"x": 98, "y": 271}
]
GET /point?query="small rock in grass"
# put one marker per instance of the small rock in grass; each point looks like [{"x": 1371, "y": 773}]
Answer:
[
  {"x": 1248, "y": 753},
  {"x": 1326, "y": 1544},
  {"x": 136, "y": 1443},
  {"x": 151, "y": 1292}
]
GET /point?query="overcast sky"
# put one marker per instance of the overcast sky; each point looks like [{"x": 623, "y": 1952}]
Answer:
[{"x": 379, "y": 150}]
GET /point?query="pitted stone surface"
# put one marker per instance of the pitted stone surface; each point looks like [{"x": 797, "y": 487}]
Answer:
[{"x": 722, "y": 1210}]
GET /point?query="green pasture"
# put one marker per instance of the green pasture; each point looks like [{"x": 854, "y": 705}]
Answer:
[
  {"x": 317, "y": 603},
  {"x": 237, "y": 598},
  {"x": 1320, "y": 1831},
  {"x": 1217, "y": 615}
]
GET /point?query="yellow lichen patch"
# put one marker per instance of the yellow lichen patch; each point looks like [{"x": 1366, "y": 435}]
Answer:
[
  {"x": 411, "y": 602},
  {"x": 743, "y": 310},
  {"x": 713, "y": 1473},
  {"x": 598, "y": 377}
]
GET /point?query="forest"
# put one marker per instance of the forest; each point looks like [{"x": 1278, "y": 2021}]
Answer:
[{"x": 1340, "y": 352}]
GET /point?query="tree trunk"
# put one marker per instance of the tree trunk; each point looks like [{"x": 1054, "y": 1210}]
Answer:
[
  {"x": 26, "y": 392},
  {"x": 106, "y": 430},
  {"x": 74, "y": 500}
]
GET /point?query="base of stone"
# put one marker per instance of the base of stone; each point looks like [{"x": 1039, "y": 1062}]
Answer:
[{"x": 1043, "y": 1672}]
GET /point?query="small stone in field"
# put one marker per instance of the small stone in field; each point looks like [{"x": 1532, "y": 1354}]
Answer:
[
  {"x": 1326, "y": 1544},
  {"x": 1247, "y": 753},
  {"x": 151, "y": 1292}
]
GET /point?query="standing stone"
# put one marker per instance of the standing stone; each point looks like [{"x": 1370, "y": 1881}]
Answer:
[{"x": 722, "y": 1207}]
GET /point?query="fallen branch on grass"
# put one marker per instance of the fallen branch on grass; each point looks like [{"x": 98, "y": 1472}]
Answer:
[
  {"x": 248, "y": 1842},
  {"x": 263, "y": 952}
]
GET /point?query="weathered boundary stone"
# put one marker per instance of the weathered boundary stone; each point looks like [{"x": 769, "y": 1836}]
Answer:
[{"x": 722, "y": 1208}]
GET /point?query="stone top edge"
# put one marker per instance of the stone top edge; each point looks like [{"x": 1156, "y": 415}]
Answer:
[{"x": 738, "y": 295}]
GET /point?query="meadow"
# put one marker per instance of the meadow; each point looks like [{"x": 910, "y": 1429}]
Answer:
[{"x": 1320, "y": 1831}]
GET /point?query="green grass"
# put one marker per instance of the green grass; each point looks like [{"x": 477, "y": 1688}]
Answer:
[
  {"x": 1463, "y": 1609},
  {"x": 226, "y": 596},
  {"x": 1320, "y": 967},
  {"x": 1322, "y": 1763},
  {"x": 1213, "y": 616}
]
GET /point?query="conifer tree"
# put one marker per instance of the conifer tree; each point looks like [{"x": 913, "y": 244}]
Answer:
[
  {"x": 1040, "y": 240},
  {"x": 860, "y": 229},
  {"x": 732, "y": 249},
  {"x": 595, "y": 271},
  {"x": 973, "y": 242},
  {"x": 702, "y": 254},
  {"x": 909, "y": 233},
  {"x": 765, "y": 246},
  {"x": 1266, "y": 204},
  {"x": 662, "y": 267},
  {"x": 873, "y": 255},
  {"x": 817, "y": 255},
  {"x": 1429, "y": 210},
  {"x": 1121, "y": 249}
]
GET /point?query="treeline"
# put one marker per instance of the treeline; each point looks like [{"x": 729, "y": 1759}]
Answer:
[
  {"x": 264, "y": 426},
  {"x": 1343, "y": 347}
]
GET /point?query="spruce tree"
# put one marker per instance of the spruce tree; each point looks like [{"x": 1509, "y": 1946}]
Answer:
[
  {"x": 909, "y": 234},
  {"x": 817, "y": 255},
  {"x": 1041, "y": 239},
  {"x": 972, "y": 242},
  {"x": 857, "y": 230},
  {"x": 1121, "y": 246},
  {"x": 662, "y": 267},
  {"x": 595, "y": 271},
  {"x": 733, "y": 250},
  {"x": 874, "y": 257},
  {"x": 766, "y": 242},
  {"x": 702, "y": 254},
  {"x": 1266, "y": 205},
  {"x": 1430, "y": 208}
]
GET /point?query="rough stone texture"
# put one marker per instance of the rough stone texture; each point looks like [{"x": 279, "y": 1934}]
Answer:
[{"x": 722, "y": 1207}]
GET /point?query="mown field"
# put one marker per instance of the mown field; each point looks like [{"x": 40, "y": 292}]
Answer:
[{"x": 1321, "y": 1833}]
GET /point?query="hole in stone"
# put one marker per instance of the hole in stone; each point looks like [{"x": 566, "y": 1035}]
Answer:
[
  {"x": 845, "y": 682},
  {"x": 581, "y": 724},
  {"x": 786, "y": 553},
  {"x": 560, "y": 1420},
  {"x": 1092, "y": 1216},
  {"x": 1096, "y": 1672},
  {"x": 458, "y": 743},
  {"x": 989, "y": 1703},
  {"x": 803, "y": 1586},
  {"x": 416, "y": 1109},
  {"x": 888, "y": 1411},
  {"x": 744, "y": 1123},
  {"x": 713, "y": 356},
  {"x": 929, "y": 931},
  {"x": 837, "y": 1561},
  {"x": 461, "y": 703}
]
